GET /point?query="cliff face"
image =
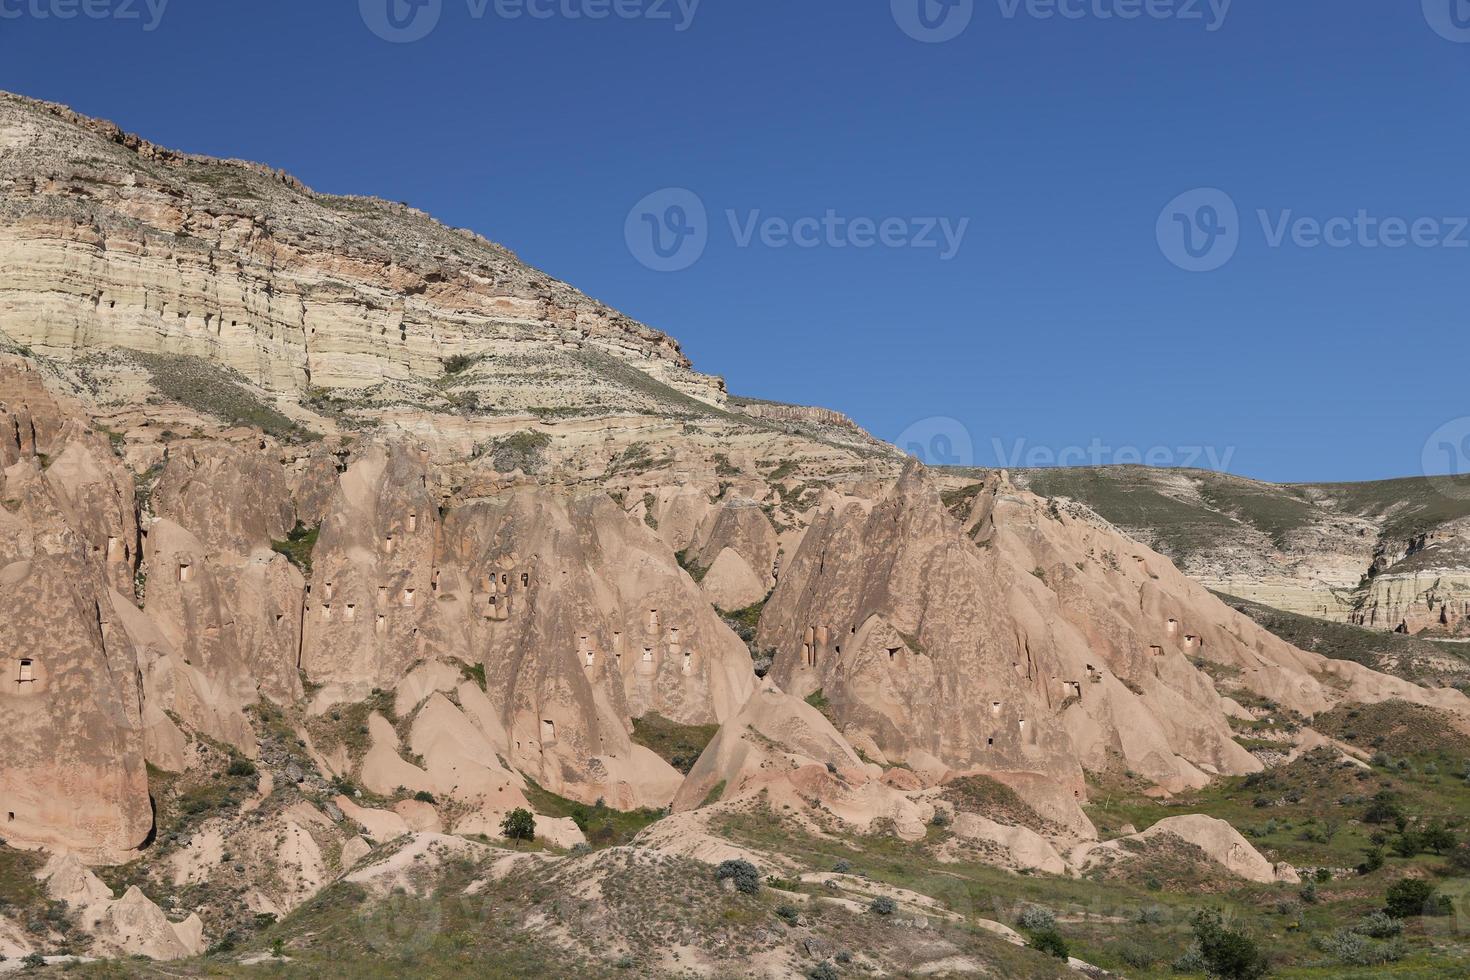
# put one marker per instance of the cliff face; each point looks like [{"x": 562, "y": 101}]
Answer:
[{"x": 108, "y": 240}]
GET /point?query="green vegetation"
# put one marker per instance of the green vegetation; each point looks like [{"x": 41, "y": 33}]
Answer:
[
  {"x": 522, "y": 451},
  {"x": 678, "y": 745},
  {"x": 742, "y": 873},
  {"x": 599, "y": 823},
  {"x": 347, "y": 725},
  {"x": 299, "y": 544},
  {"x": 459, "y": 363},
  {"x": 1404, "y": 656},
  {"x": 1136, "y": 926},
  {"x": 519, "y": 825},
  {"x": 214, "y": 390},
  {"x": 1182, "y": 512}
]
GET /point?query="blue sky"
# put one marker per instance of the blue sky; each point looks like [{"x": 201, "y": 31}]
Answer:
[{"x": 1062, "y": 319}]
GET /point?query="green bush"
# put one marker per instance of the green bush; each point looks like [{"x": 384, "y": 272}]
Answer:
[
  {"x": 1050, "y": 942},
  {"x": 883, "y": 905},
  {"x": 1226, "y": 953},
  {"x": 1037, "y": 918},
  {"x": 1352, "y": 949},
  {"x": 822, "y": 971},
  {"x": 747, "y": 879},
  {"x": 788, "y": 914},
  {"x": 1414, "y": 897},
  {"x": 1379, "y": 925},
  {"x": 518, "y": 825},
  {"x": 241, "y": 767},
  {"x": 424, "y": 796}
]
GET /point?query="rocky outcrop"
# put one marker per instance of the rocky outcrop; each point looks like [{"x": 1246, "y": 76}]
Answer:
[{"x": 71, "y": 774}]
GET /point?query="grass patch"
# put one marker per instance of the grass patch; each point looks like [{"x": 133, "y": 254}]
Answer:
[
  {"x": 299, "y": 544},
  {"x": 217, "y": 391},
  {"x": 678, "y": 745},
  {"x": 602, "y": 825}
]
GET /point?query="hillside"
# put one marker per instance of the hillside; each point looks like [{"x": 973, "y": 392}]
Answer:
[
  {"x": 1391, "y": 555},
  {"x": 320, "y": 665}
]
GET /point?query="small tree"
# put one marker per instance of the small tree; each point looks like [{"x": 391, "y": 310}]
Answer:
[
  {"x": 518, "y": 825},
  {"x": 1437, "y": 838},
  {"x": 1227, "y": 954},
  {"x": 1414, "y": 897}
]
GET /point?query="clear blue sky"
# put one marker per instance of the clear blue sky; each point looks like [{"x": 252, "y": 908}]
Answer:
[{"x": 1059, "y": 321}]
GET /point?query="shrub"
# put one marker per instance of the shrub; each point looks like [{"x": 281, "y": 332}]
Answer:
[
  {"x": 788, "y": 914},
  {"x": 940, "y": 818},
  {"x": 822, "y": 971},
  {"x": 747, "y": 879},
  {"x": 1372, "y": 861},
  {"x": 1309, "y": 893},
  {"x": 1037, "y": 918},
  {"x": 1352, "y": 949},
  {"x": 518, "y": 825},
  {"x": 1379, "y": 925},
  {"x": 842, "y": 867},
  {"x": 1135, "y": 955},
  {"x": 457, "y": 363},
  {"x": 424, "y": 796},
  {"x": 1192, "y": 960},
  {"x": 1227, "y": 954},
  {"x": 1414, "y": 897},
  {"x": 1050, "y": 942},
  {"x": 241, "y": 767},
  {"x": 883, "y": 905}
]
